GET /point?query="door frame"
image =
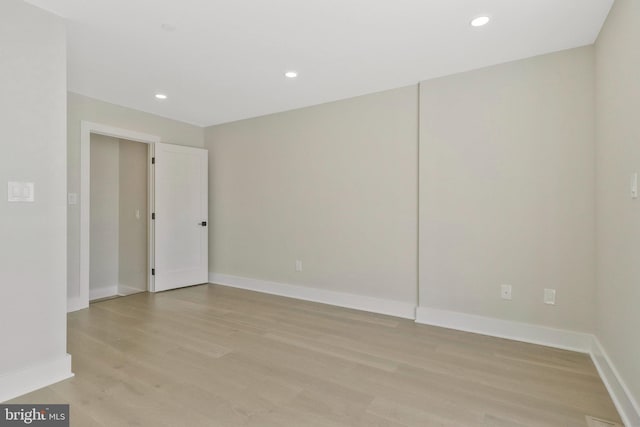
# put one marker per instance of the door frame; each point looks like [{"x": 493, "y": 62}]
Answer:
[{"x": 86, "y": 129}]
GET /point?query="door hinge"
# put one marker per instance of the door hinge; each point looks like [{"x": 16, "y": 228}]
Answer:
[
  {"x": 153, "y": 215},
  {"x": 153, "y": 160},
  {"x": 153, "y": 271}
]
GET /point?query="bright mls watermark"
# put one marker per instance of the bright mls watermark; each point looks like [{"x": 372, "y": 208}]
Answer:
[{"x": 34, "y": 415}]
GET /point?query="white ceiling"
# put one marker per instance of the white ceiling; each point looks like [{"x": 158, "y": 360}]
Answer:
[{"x": 225, "y": 59}]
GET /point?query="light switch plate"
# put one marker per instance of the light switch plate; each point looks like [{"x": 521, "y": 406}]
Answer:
[{"x": 20, "y": 191}]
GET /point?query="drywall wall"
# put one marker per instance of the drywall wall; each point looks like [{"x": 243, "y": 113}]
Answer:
[
  {"x": 104, "y": 224},
  {"x": 133, "y": 217},
  {"x": 333, "y": 186},
  {"x": 81, "y": 108},
  {"x": 32, "y": 235},
  {"x": 506, "y": 191},
  {"x": 618, "y": 215}
]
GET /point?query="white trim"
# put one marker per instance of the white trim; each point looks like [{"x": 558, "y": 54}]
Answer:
[
  {"x": 405, "y": 310},
  {"x": 16, "y": 384},
  {"x": 124, "y": 290},
  {"x": 535, "y": 334},
  {"x": 151, "y": 208},
  {"x": 98, "y": 293},
  {"x": 626, "y": 405},
  {"x": 86, "y": 129},
  {"x": 542, "y": 335}
]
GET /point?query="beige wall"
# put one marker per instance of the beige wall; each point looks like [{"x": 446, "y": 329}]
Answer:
[
  {"x": 32, "y": 235},
  {"x": 332, "y": 185},
  {"x": 506, "y": 190},
  {"x": 133, "y": 258},
  {"x": 104, "y": 224},
  {"x": 81, "y": 108},
  {"x": 618, "y": 216}
]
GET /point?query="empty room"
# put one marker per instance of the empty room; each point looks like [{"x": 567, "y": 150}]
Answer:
[{"x": 320, "y": 213}]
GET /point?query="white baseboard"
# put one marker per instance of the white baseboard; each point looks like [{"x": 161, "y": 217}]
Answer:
[
  {"x": 542, "y": 335},
  {"x": 401, "y": 309},
  {"x": 535, "y": 334},
  {"x": 559, "y": 338},
  {"x": 75, "y": 304},
  {"x": 16, "y": 384},
  {"x": 625, "y": 404},
  {"x": 103, "y": 293},
  {"x": 124, "y": 290}
]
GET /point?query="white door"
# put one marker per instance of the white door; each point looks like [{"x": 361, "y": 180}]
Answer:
[{"x": 181, "y": 217}]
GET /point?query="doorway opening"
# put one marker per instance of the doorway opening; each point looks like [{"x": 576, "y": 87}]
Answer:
[
  {"x": 119, "y": 261},
  {"x": 79, "y": 298}
]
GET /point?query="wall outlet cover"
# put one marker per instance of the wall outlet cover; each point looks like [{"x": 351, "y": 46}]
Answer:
[
  {"x": 505, "y": 292},
  {"x": 72, "y": 198},
  {"x": 550, "y": 296}
]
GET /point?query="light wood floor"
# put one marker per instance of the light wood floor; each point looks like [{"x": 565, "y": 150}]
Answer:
[{"x": 215, "y": 356}]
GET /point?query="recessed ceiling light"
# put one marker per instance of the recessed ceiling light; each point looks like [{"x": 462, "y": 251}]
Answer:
[
  {"x": 161, "y": 96},
  {"x": 291, "y": 74},
  {"x": 480, "y": 21}
]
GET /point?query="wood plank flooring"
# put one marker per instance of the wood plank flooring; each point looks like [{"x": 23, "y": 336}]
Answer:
[{"x": 215, "y": 356}]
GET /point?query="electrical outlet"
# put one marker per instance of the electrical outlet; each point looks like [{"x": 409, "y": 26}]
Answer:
[
  {"x": 298, "y": 265},
  {"x": 72, "y": 198},
  {"x": 505, "y": 292},
  {"x": 550, "y": 296}
]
